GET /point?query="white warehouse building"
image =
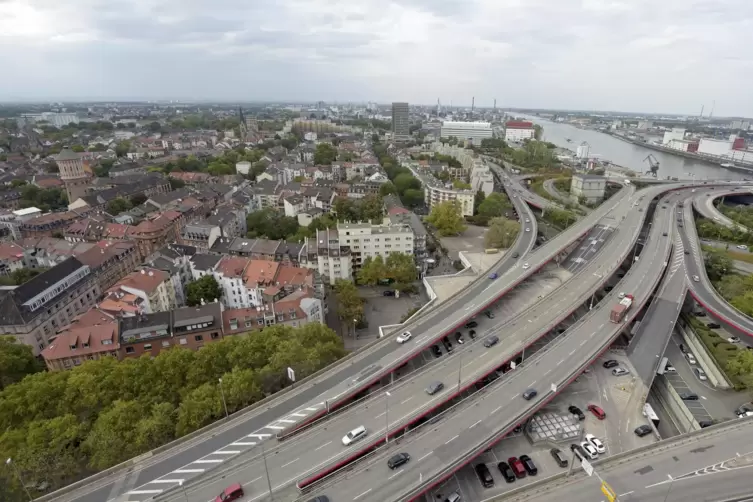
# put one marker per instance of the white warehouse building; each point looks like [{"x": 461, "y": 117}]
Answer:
[{"x": 468, "y": 131}]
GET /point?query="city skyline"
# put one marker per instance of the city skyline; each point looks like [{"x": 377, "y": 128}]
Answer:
[{"x": 568, "y": 54}]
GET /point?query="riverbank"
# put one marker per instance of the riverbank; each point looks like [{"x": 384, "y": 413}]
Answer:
[{"x": 724, "y": 163}]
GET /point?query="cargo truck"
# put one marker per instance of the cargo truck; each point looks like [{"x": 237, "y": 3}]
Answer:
[{"x": 618, "y": 311}]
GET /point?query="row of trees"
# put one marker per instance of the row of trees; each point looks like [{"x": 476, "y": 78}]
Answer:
[
  {"x": 61, "y": 426},
  {"x": 399, "y": 268},
  {"x": 369, "y": 208},
  {"x": 710, "y": 230},
  {"x": 46, "y": 199},
  {"x": 407, "y": 186}
]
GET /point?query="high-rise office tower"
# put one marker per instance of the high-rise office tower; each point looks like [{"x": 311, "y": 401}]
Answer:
[{"x": 400, "y": 121}]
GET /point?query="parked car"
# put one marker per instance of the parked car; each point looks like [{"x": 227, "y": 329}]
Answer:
[
  {"x": 482, "y": 471},
  {"x": 705, "y": 423},
  {"x": 530, "y": 467},
  {"x": 389, "y": 292},
  {"x": 596, "y": 442},
  {"x": 404, "y": 337},
  {"x": 579, "y": 452},
  {"x": 526, "y": 266},
  {"x": 472, "y": 334},
  {"x": 471, "y": 324},
  {"x": 491, "y": 341},
  {"x": 397, "y": 460},
  {"x": 506, "y": 471},
  {"x": 559, "y": 457},
  {"x": 642, "y": 430},
  {"x": 590, "y": 450},
  {"x": 620, "y": 371},
  {"x": 489, "y": 314},
  {"x": 576, "y": 411},
  {"x": 447, "y": 344},
  {"x": 683, "y": 349},
  {"x": 459, "y": 337},
  {"x": 517, "y": 467},
  {"x": 320, "y": 498},
  {"x": 453, "y": 497},
  {"x": 232, "y": 492},
  {"x": 700, "y": 374},
  {"x": 436, "y": 351},
  {"x": 688, "y": 396},
  {"x": 733, "y": 339},
  {"x": 610, "y": 363},
  {"x": 434, "y": 387},
  {"x": 690, "y": 357},
  {"x": 597, "y": 411},
  {"x": 713, "y": 325}
]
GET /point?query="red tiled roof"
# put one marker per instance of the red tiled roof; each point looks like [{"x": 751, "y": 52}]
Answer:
[
  {"x": 146, "y": 279},
  {"x": 93, "y": 336},
  {"x": 295, "y": 276},
  {"x": 261, "y": 272},
  {"x": 232, "y": 266},
  {"x": 519, "y": 124},
  {"x": 10, "y": 251}
]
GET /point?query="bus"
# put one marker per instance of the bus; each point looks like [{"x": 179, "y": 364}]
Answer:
[{"x": 649, "y": 413}]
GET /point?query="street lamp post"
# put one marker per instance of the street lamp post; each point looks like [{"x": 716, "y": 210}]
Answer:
[
  {"x": 224, "y": 403},
  {"x": 20, "y": 479},
  {"x": 266, "y": 470},
  {"x": 387, "y": 418}
]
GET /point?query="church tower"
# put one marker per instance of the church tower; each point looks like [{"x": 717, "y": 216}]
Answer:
[{"x": 75, "y": 173}]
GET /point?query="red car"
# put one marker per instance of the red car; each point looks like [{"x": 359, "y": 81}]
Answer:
[
  {"x": 517, "y": 467},
  {"x": 598, "y": 412},
  {"x": 232, "y": 492}
]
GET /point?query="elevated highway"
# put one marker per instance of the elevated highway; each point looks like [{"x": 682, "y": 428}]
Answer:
[
  {"x": 439, "y": 450},
  {"x": 703, "y": 202}
]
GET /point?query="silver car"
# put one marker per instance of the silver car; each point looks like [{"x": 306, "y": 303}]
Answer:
[
  {"x": 700, "y": 374},
  {"x": 619, "y": 371}
]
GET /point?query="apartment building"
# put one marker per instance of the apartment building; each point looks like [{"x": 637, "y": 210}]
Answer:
[
  {"x": 296, "y": 310},
  {"x": 367, "y": 240},
  {"x": 93, "y": 335},
  {"x": 36, "y": 310},
  {"x": 328, "y": 256},
  {"x": 151, "y": 286}
]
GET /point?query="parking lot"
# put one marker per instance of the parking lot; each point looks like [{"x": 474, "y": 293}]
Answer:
[{"x": 615, "y": 395}]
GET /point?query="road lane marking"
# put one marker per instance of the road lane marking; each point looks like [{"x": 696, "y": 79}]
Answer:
[
  {"x": 242, "y": 444},
  {"x": 380, "y": 415},
  {"x": 420, "y": 459},
  {"x": 144, "y": 492},
  {"x": 405, "y": 401},
  {"x": 291, "y": 462},
  {"x": 207, "y": 461},
  {"x": 275, "y": 427},
  {"x": 474, "y": 425},
  {"x": 297, "y": 414},
  {"x": 396, "y": 474},
  {"x": 188, "y": 471},
  {"x": 287, "y": 421},
  {"x": 496, "y": 410},
  {"x": 174, "y": 481},
  {"x": 625, "y": 494},
  {"x": 322, "y": 446},
  {"x": 310, "y": 409},
  {"x": 226, "y": 452},
  {"x": 451, "y": 439},
  {"x": 361, "y": 495},
  {"x": 259, "y": 436}
]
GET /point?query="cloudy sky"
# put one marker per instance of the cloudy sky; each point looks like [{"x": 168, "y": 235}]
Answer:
[{"x": 633, "y": 55}]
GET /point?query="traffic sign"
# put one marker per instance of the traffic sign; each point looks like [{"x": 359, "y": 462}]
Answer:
[
  {"x": 586, "y": 465},
  {"x": 291, "y": 374},
  {"x": 608, "y": 492}
]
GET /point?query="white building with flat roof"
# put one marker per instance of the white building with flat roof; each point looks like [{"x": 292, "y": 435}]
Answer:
[
  {"x": 589, "y": 186},
  {"x": 467, "y": 131},
  {"x": 366, "y": 240},
  {"x": 676, "y": 133}
]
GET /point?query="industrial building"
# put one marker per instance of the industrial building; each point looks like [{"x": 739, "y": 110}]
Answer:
[
  {"x": 517, "y": 131},
  {"x": 473, "y": 132}
]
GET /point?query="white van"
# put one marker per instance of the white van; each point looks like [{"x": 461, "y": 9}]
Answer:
[{"x": 355, "y": 435}]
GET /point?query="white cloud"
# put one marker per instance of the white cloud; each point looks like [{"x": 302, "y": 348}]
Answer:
[{"x": 669, "y": 55}]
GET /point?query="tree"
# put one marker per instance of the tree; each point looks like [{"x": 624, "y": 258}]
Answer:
[
  {"x": 16, "y": 361},
  {"x": 372, "y": 271},
  {"x": 350, "y": 305},
  {"x": 17, "y": 183},
  {"x": 271, "y": 224},
  {"x": 413, "y": 197},
  {"x": 176, "y": 183},
  {"x": 502, "y": 233},
  {"x": 78, "y": 148},
  {"x": 461, "y": 185},
  {"x": 717, "y": 264},
  {"x": 122, "y": 148},
  {"x": 406, "y": 181},
  {"x": 387, "y": 189},
  {"x": 447, "y": 218},
  {"x": 346, "y": 209},
  {"x": 477, "y": 200},
  {"x": 138, "y": 199},
  {"x": 118, "y": 205},
  {"x": 372, "y": 207},
  {"x": 401, "y": 268},
  {"x": 207, "y": 288},
  {"x": 324, "y": 154},
  {"x": 741, "y": 365},
  {"x": 492, "y": 207}
]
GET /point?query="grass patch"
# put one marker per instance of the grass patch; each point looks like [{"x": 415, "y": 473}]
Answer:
[
  {"x": 739, "y": 256},
  {"x": 720, "y": 349}
]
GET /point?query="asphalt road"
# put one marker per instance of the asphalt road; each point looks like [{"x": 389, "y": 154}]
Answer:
[
  {"x": 321, "y": 448},
  {"x": 519, "y": 191},
  {"x": 444, "y": 445},
  {"x": 714, "y": 466},
  {"x": 703, "y": 291},
  {"x": 704, "y": 204}
]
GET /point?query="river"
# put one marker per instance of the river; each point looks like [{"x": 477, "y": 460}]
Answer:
[{"x": 622, "y": 153}]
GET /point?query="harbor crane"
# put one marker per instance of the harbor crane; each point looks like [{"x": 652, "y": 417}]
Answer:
[{"x": 653, "y": 165}]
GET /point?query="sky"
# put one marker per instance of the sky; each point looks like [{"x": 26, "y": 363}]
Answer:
[{"x": 661, "y": 56}]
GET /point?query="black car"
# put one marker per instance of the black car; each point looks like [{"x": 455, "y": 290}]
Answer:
[
  {"x": 320, "y": 498},
  {"x": 642, "y": 430},
  {"x": 459, "y": 337},
  {"x": 447, "y": 344},
  {"x": 518, "y": 428},
  {"x": 579, "y": 451},
  {"x": 506, "y": 471},
  {"x": 482, "y": 471},
  {"x": 530, "y": 467},
  {"x": 688, "y": 396},
  {"x": 436, "y": 351},
  {"x": 559, "y": 457},
  {"x": 683, "y": 349},
  {"x": 471, "y": 324},
  {"x": 491, "y": 341},
  {"x": 577, "y": 412},
  {"x": 664, "y": 234},
  {"x": 472, "y": 334},
  {"x": 515, "y": 254},
  {"x": 705, "y": 423},
  {"x": 489, "y": 314},
  {"x": 687, "y": 252},
  {"x": 397, "y": 460},
  {"x": 713, "y": 325},
  {"x": 388, "y": 293},
  {"x": 700, "y": 313},
  {"x": 611, "y": 363},
  {"x": 529, "y": 394}
]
